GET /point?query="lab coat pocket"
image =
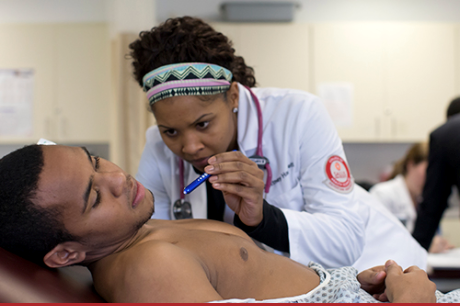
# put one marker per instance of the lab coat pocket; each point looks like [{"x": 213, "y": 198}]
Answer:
[{"x": 290, "y": 199}]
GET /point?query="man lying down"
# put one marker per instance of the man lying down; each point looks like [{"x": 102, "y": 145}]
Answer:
[{"x": 61, "y": 206}]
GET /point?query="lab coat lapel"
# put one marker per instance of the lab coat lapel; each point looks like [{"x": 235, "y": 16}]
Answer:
[{"x": 247, "y": 122}]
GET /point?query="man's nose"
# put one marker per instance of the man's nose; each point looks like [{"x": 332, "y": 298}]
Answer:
[{"x": 114, "y": 181}]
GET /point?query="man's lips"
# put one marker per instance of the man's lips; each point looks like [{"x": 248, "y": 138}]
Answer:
[{"x": 138, "y": 192}]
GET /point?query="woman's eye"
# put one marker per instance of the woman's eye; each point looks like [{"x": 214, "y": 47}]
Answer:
[
  {"x": 203, "y": 125},
  {"x": 170, "y": 132}
]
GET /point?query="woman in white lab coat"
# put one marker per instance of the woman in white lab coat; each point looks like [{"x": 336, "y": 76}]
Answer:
[
  {"x": 299, "y": 198},
  {"x": 402, "y": 192}
]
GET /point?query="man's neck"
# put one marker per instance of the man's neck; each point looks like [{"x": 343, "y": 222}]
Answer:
[{"x": 93, "y": 256}]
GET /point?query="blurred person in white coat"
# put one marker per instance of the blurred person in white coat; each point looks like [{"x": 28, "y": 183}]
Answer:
[{"x": 402, "y": 192}]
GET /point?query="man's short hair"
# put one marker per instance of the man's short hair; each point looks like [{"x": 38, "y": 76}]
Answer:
[
  {"x": 454, "y": 107},
  {"x": 26, "y": 229}
]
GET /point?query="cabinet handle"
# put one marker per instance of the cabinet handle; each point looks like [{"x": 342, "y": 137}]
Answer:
[
  {"x": 64, "y": 127},
  {"x": 394, "y": 127},
  {"x": 377, "y": 127}
]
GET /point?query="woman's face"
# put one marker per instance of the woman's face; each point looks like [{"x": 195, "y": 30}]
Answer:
[
  {"x": 416, "y": 173},
  {"x": 196, "y": 127}
]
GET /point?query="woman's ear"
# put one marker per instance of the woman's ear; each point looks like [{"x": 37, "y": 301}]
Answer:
[
  {"x": 233, "y": 94},
  {"x": 65, "y": 254}
]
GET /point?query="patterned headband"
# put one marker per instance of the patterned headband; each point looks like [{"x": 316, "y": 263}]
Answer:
[{"x": 186, "y": 79}]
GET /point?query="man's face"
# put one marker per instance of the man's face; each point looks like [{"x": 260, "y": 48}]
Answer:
[{"x": 98, "y": 201}]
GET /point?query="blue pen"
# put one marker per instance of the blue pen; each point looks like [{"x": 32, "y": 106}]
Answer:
[{"x": 197, "y": 182}]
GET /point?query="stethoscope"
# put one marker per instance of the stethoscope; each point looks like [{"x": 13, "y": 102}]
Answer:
[{"x": 183, "y": 209}]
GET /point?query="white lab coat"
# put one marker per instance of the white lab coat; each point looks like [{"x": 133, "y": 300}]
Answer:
[
  {"x": 326, "y": 226},
  {"x": 395, "y": 195}
]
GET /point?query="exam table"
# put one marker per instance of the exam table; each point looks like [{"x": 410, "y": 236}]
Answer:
[{"x": 22, "y": 281}]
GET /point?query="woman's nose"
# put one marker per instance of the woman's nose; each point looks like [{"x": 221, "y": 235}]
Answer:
[{"x": 191, "y": 144}]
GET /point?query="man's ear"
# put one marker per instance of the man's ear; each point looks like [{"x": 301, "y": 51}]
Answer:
[
  {"x": 233, "y": 94},
  {"x": 65, "y": 254}
]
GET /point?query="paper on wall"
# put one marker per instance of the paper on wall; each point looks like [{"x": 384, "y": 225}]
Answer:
[
  {"x": 338, "y": 99},
  {"x": 16, "y": 102}
]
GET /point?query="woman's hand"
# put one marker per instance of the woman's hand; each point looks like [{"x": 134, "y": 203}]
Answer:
[{"x": 241, "y": 182}]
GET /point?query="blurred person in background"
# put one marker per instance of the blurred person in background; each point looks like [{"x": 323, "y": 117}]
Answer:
[
  {"x": 442, "y": 174},
  {"x": 402, "y": 192}
]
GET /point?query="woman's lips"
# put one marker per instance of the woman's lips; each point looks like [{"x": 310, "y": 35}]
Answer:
[
  {"x": 200, "y": 163},
  {"x": 139, "y": 193}
]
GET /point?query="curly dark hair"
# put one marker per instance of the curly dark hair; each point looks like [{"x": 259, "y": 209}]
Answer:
[
  {"x": 186, "y": 39},
  {"x": 26, "y": 229}
]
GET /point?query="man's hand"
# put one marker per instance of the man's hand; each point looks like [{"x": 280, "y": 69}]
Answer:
[
  {"x": 373, "y": 282},
  {"x": 410, "y": 286}
]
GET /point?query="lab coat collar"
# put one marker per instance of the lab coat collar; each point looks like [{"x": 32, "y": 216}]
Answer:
[{"x": 247, "y": 122}]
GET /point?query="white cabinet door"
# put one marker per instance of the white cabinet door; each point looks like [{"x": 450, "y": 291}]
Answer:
[
  {"x": 403, "y": 76},
  {"x": 420, "y": 78},
  {"x": 279, "y": 53},
  {"x": 82, "y": 90},
  {"x": 32, "y": 47},
  {"x": 353, "y": 53}
]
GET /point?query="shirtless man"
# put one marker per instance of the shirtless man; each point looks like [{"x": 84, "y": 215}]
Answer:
[{"x": 62, "y": 206}]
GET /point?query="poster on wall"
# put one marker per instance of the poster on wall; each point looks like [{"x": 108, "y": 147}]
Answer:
[
  {"x": 338, "y": 99},
  {"x": 16, "y": 102}
]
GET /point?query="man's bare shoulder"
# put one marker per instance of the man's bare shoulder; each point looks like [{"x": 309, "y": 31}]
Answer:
[{"x": 153, "y": 271}]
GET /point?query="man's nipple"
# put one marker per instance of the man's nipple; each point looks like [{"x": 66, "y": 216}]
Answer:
[{"x": 244, "y": 254}]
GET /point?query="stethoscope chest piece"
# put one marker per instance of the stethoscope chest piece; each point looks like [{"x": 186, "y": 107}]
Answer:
[{"x": 182, "y": 210}]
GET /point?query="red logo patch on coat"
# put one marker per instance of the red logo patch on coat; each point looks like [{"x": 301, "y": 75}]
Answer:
[{"x": 338, "y": 175}]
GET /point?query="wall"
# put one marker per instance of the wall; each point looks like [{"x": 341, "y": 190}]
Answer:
[
  {"x": 329, "y": 10},
  {"x": 367, "y": 160},
  {"x": 134, "y": 15}
]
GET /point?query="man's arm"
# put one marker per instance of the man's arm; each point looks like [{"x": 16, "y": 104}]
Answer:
[
  {"x": 436, "y": 191},
  {"x": 161, "y": 273}
]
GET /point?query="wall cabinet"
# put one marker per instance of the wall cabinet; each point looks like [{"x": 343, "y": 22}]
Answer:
[
  {"x": 403, "y": 75},
  {"x": 71, "y": 83}
]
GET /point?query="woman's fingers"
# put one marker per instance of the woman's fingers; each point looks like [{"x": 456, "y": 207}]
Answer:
[
  {"x": 229, "y": 156},
  {"x": 245, "y": 178},
  {"x": 241, "y": 182}
]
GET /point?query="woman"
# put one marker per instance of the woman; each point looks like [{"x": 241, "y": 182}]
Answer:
[
  {"x": 299, "y": 198},
  {"x": 402, "y": 193}
]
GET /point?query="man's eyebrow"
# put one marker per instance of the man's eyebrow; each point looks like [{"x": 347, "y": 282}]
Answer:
[{"x": 90, "y": 183}]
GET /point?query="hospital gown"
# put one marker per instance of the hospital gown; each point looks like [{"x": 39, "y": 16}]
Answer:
[{"x": 340, "y": 286}]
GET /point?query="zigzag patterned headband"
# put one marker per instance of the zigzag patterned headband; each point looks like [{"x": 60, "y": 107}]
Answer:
[{"x": 185, "y": 79}]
